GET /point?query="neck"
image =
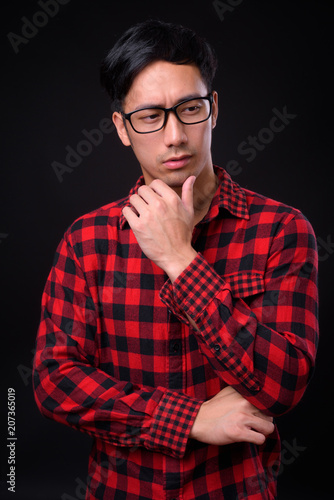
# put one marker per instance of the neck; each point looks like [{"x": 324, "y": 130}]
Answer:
[
  {"x": 204, "y": 190},
  {"x": 203, "y": 193}
]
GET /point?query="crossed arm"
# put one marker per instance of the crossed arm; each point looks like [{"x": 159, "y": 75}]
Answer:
[{"x": 163, "y": 222}]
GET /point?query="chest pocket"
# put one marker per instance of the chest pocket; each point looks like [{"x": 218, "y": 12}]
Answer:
[{"x": 245, "y": 284}]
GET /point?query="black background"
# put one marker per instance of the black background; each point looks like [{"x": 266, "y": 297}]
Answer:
[{"x": 272, "y": 54}]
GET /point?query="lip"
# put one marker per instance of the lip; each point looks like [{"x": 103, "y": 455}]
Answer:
[{"x": 177, "y": 161}]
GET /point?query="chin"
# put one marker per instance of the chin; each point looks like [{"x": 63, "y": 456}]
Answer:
[
  {"x": 176, "y": 178},
  {"x": 173, "y": 178}
]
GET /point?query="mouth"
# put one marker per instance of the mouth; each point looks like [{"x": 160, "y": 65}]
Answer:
[{"x": 177, "y": 161}]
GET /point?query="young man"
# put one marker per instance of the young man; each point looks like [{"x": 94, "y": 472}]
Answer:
[{"x": 177, "y": 322}]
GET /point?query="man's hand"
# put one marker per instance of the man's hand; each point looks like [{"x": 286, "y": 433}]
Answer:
[
  {"x": 163, "y": 224},
  {"x": 229, "y": 418}
]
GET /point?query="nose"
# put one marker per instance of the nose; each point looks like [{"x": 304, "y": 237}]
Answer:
[{"x": 174, "y": 131}]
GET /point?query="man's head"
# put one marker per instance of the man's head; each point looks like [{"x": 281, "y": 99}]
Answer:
[{"x": 160, "y": 65}]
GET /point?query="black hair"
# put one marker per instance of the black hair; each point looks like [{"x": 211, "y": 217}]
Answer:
[{"x": 150, "y": 41}]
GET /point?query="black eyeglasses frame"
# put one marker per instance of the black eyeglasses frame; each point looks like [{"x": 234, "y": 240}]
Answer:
[{"x": 127, "y": 116}]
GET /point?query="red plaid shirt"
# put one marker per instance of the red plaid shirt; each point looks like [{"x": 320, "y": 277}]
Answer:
[{"x": 117, "y": 358}]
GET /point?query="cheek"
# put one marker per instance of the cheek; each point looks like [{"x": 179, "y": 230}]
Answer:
[
  {"x": 145, "y": 151},
  {"x": 202, "y": 140}
]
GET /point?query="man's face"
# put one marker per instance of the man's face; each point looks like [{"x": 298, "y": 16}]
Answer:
[{"x": 177, "y": 151}]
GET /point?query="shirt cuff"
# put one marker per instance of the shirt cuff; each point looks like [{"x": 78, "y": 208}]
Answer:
[
  {"x": 172, "y": 423},
  {"x": 193, "y": 289}
]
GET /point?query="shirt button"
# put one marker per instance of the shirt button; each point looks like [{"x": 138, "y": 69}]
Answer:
[
  {"x": 217, "y": 348},
  {"x": 174, "y": 347}
]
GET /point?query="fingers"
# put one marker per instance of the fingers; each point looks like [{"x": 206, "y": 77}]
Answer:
[
  {"x": 152, "y": 195},
  {"x": 138, "y": 203},
  {"x": 160, "y": 188},
  {"x": 251, "y": 429},
  {"x": 264, "y": 426},
  {"x": 187, "y": 193},
  {"x": 149, "y": 193},
  {"x": 157, "y": 186},
  {"x": 158, "y": 191},
  {"x": 260, "y": 426},
  {"x": 130, "y": 216},
  {"x": 254, "y": 437}
]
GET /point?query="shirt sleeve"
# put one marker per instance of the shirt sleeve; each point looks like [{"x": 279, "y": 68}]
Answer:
[
  {"x": 69, "y": 386},
  {"x": 265, "y": 347}
]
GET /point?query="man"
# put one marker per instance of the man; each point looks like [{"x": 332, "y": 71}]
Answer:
[{"x": 177, "y": 322}]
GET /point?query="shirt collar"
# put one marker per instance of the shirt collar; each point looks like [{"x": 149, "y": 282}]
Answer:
[{"x": 229, "y": 196}]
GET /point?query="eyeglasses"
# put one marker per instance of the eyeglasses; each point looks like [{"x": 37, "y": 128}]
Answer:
[{"x": 188, "y": 112}]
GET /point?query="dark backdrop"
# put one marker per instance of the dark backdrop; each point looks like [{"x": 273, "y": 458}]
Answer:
[{"x": 274, "y": 55}]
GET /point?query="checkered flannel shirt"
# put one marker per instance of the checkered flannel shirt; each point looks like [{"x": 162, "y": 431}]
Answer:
[{"x": 117, "y": 358}]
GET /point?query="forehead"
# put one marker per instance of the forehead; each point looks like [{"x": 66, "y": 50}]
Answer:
[{"x": 163, "y": 83}]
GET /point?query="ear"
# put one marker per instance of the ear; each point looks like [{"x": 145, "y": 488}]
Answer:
[
  {"x": 117, "y": 118},
  {"x": 214, "y": 108}
]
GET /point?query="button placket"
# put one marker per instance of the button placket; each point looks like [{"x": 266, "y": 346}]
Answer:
[
  {"x": 175, "y": 351},
  {"x": 173, "y": 470}
]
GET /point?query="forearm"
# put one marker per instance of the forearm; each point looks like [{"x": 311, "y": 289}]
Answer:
[
  {"x": 74, "y": 386},
  {"x": 267, "y": 366},
  {"x": 73, "y": 392},
  {"x": 255, "y": 348}
]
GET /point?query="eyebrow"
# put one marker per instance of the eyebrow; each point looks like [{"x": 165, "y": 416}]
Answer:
[{"x": 155, "y": 105}]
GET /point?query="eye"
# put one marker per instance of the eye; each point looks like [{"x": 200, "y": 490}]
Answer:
[
  {"x": 149, "y": 115},
  {"x": 191, "y": 109}
]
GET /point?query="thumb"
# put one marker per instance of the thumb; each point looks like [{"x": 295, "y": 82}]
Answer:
[{"x": 187, "y": 193}]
